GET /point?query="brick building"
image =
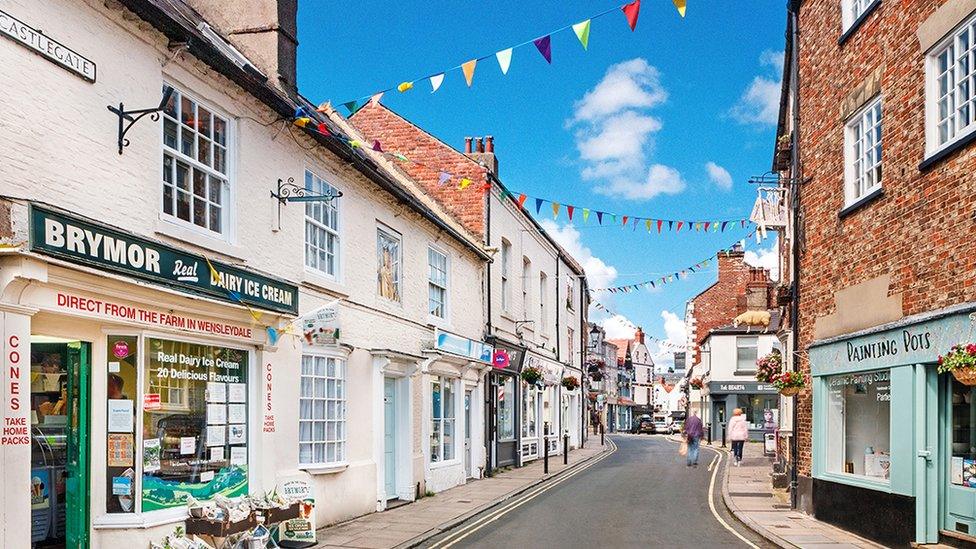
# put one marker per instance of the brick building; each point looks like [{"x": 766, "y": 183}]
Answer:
[{"x": 880, "y": 150}]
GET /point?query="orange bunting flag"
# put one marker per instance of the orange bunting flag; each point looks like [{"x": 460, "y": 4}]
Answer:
[
  {"x": 631, "y": 11},
  {"x": 468, "y": 70},
  {"x": 681, "y": 5},
  {"x": 555, "y": 210},
  {"x": 521, "y": 200}
]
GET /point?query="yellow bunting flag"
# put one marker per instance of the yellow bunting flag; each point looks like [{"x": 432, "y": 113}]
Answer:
[
  {"x": 582, "y": 31},
  {"x": 647, "y": 223},
  {"x": 586, "y": 214},
  {"x": 214, "y": 275},
  {"x": 302, "y": 122},
  {"x": 354, "y": 143},
  {"x": 404, "y": 86},
  {"x": 681, "y": 5},
  {"x": 555, "y": 210},
  {"x": 468, "y": 70},
  {"x": 464, "y": 183}
]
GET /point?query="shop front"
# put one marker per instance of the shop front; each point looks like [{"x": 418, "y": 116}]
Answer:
[
  {"x": 759, "y": 403},
  {"x": 894, "y": 442},
  {"x": 502, "y": 405},
  {"x": 123, "y": 395},
  {"x": 540, "y": 409}
]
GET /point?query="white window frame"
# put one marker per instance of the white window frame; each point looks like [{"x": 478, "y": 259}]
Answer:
[
  {"x": 506, "y": 251},
  {"x": 321, "y": 186},
  {"x": 570, "y": 292},
  {"x": 933, "y": 94},
  {"x": 852, "y": 10},
  {"x": 444, "y": 381},
  {"x": 432, "y": 284},
  {"x": 853, "y": 177},
  {"x": 739, "y": 347},
  {"x": 526, "y": 297},
  {"x": 228, "y": 194},
  {"x": 339, "y": 400},
  {"x": 398, "y": 271}
]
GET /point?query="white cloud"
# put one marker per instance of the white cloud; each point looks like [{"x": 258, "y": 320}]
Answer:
[
  {"x": 674, "y": 329},
  {"x": 767, "y": 258},
  {"x": 614, "y": 131},
  {"x": 719, "y": 175},
  {"x": 760, "y": 102},
  {"x": 598, "y": 273},
  {"x": 618, "y": 327}
]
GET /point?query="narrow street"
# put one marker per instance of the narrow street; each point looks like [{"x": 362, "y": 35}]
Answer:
[{"x": 641, "y": 495}]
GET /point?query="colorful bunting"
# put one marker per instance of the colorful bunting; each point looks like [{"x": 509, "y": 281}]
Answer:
[
  {"x": 504, "y": 59},
  {"x": 538, "y": 205},
  {"x": 681, "y": 5},
  {"x": 586, "y": 214},
  {"x": 464, "y": 183},
  {"x": 555, "y": 210},
  {"x": 544, "y": 45},
  {"x": 631, "y": 11},
  {"x": 582, "y": 30},
  {"x": 436, "y": 81},
  {"x": 599, "y": 217},
  {"x": 569, "y": 212},
  {"x": 404, "y": 86},
  {"x": 376, "y": 146},
  {"x": 323, "y": 129},
  {"x": 521, "y": 201},
  {"x": 443, "y": 178},
  {"x": 302, "y": 122},
  {"x": 350, "y": 106},
  {"x": 468, "y": 70}
]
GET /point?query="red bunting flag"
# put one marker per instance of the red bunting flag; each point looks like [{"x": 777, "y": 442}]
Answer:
[
  {"x": 680, "y": 223},
  {"x": 625, "y": 221},
  {"x": 521, "y": 200},
  {"x": 659, "y": 223},
  {"x": 323, "y": 129},
  {"x": 706, "y": 226},
  {"x": 631, "y": 11},
  {"x": 569, "y": 211}
]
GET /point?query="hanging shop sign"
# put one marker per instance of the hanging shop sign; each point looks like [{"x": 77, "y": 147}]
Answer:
[
  {"x": 46, "y": 47},
  {"x": 500, "y": 358},
  {"x": 552, "y": 372},
  {"x": 740, "y": 387},
  {"x": 321, "y": 327},
  {"x": 93, "y": 244},
  {"x": 462, "y": 346}
]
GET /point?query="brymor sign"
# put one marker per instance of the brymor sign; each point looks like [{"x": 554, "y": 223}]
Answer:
[
  {"x": 96, "y": 245},
  {"x": 53, "y": 50}
]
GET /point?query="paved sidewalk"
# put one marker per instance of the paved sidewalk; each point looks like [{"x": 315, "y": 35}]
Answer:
[
  {"x": 748, "y": 493},
  {"x": 411, "y": 524}
]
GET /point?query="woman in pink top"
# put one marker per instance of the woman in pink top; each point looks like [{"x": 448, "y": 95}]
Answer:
[{"x": 738, "y": 433}]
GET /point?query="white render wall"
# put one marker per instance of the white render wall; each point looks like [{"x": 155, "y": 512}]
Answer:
[
  {"x": 719, "y": 362},
  {"x": 58, "y": 145}
]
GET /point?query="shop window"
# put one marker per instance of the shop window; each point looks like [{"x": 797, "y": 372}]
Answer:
[
  {"x": 442, "y": 438},
  {"x": 388, "y": 261},
  {"x": 962, "y": 465},
  {"x": 530, "y": 411},
  {"x": 437, "y": 283},
  {"x": 746, "y": 353},
  {"x": 951, "y": 96},
  {"x": 322, "y": 412},
  {"x": 122, "y": 382},
  {"x": 858, "y": 424},
  {"x": 196, "y": 442},
  {"x": 506, "y": 274},
  {"x": 506, "y": 409},
  {"x": 760, "y": 410},
  {"x": 321, "y": 227},
  {"x": 549, "y": 417},
  {"x": 195, "y": 160},
  {"x": 862, "y": 153}
]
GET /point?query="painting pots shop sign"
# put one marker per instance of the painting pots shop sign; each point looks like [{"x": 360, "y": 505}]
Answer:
[{"x": 96, "y": 245}]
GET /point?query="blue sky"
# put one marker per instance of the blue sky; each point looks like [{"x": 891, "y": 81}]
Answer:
[{"x": 668, "y": 121}]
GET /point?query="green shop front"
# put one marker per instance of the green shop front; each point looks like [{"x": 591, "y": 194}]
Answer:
[
  {"x": 126, "y": 394},
  {"x": 894, "y": 441}
]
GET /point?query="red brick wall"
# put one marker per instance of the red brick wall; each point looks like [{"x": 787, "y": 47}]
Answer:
[
  {"x": 396, "y": 134},
  {"x": 922, "y": 230}
]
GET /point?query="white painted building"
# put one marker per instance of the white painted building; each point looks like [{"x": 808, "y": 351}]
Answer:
[{"x": 96, "y": 312}]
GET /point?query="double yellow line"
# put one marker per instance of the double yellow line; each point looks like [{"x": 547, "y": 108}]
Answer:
[{"x": 521, "y": 500}]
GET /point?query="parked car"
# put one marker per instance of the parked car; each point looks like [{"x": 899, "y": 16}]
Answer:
[
  {"x": 661, "y": 426},
  {"x": 644, "y": 424},
  {"x": 677, "y": 421}
]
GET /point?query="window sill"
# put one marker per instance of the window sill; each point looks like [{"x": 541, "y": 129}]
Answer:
[
  {"x": 325, "y": 469},
  {"x": 856, "y": 480},
  {"x": 745, "y": 372},
  {"x": 195, "y": 238},
  {"x": 858, "y": 22},
  {"x": 137, "y": 520},
  {"x": 444, "y": 464},
  {"x": 947, "y": 151},
  {"x": 861, "y": 202},
  {"x": 322, "y": 282}
]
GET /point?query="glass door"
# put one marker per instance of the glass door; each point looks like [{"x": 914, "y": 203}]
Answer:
[
  {"x": 77, "y": 466},
  {"x": 960, "y": 446}
]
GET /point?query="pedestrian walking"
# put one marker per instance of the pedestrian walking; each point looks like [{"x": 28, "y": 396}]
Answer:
[
  {"x": 693, "y": 435},
  {"x": 738, "y": 434}
]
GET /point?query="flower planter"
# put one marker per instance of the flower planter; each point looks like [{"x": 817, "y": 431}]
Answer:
[
  {"x": 966, "y": 376},
  {"x": 789, "y": 391}
]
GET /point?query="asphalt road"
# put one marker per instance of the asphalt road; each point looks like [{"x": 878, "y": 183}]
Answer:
[{"x": 641, "y": 495}]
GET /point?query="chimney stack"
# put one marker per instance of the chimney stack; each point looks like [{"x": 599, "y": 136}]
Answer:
[
  {"x": 483, "y": 153},
  {"x": 265, "y": 31},
  {"x": 639, "y": 335}
]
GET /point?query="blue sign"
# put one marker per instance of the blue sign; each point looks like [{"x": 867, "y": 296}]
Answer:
[{"x": 462, "y": 346}]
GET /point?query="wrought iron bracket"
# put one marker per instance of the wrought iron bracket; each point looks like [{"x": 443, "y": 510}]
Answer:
[
  {"x": 134, "y": 116},
  {"x": 288, "y": 191}
]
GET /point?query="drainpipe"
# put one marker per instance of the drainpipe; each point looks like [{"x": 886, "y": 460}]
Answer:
[
  {"x": 490, "y": 425},
  {"x": 584, "y": 333},
  {"x": 796, "y": 178},
  {"x": 558, "y": 335}
]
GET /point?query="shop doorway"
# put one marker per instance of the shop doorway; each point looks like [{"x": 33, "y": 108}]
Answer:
[
  {"x": 389, "y": 437},
  {"x": 59, "y": 415},
  {"x": 467, "y": 433},
  {"x": 503, "y": 411}
]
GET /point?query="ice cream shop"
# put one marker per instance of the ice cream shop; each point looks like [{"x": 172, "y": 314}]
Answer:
[
  {"x": 129, "y": 383},
  {"x": 894, "y": 440}
]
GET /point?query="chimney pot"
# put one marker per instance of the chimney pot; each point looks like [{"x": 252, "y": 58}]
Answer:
[
  {"x": 489, "y": 144},
  {"x": 467, "y": 145},
  {"x": 480, "y": 144}
]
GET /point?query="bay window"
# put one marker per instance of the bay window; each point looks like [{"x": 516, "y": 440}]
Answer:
[
  {"x": 442, "y": 439},
  {"x": 322, "y": 411}
]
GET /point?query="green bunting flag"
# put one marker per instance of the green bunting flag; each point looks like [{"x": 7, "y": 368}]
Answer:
[{"x": 582, "y": 30}]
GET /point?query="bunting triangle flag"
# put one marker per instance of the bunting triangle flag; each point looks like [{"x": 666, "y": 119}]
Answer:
[
  {"x": 521, "y": 200},
  {"x": 299, "y": 112},
  {"x": 706, "y": 226},
  {"x": 569, "y": 212},
  {"x": 376, "y": 98},
  {"x": 555, "y": 210},
  {"x": 302, "y": 122},
  {"x": 464, "y": 183},
  {"x": 443, "y": 178},
  {"x": 599, "y": 217},
  {"x": 400, "y": 157},
  {"x": 538, "y": 205},
  {"x": 582, "y": 30},
  {"x": 671, "y": 225},
  {"x": 376, "y": 146},
  {"x": 625, "y": 221},
  {"x": 586, "y": 214},
  {"x": 647, "y": 223},
  {"x": 631, "y": 11},
  {"x": 652, "y": 284},
  {"x": 504, "y": 59},
  {"x": 544, "y": 45},
  {"x": 468, "y": 70},
  {"x": 350, "y": 106},
  {"x": 614, "y": 217},
  {"x": 404, "y": 86},
  {"x": 323, "y": 129},
  {"x": 724, "y": 223},
  {"x": 659, "y": 223},
  {"x": 681, "y": 5},
  {"x": 436, "y": 81}
]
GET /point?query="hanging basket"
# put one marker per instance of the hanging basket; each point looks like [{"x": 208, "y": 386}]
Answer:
[
  {"x": 966, "y": 376},
  {"x": 789, "y": 391}
]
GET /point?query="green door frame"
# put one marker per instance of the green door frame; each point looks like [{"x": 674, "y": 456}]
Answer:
[{"x": 77, "y": 502}]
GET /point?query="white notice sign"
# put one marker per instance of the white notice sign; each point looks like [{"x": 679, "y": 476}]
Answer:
[{"x": 119, "y": 416}]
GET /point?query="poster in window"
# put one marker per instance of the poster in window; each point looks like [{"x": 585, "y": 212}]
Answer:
[
  {"x": 238, "y": 434},
  {"x": 237, "y": 392},
  {"x": 236, "y": 413},
  {"x": 217, "y": 453},
  {"x": 120, "y": 449},
  {"x": 216, "y": 392},
  {"x": 40, "y": 488},
  {"x": 150, "y": 455},
  {"x": 120, "y": 416},
  {"x": 955, "y": 470},
  {"x": 216, "y": 414},
  {"x": 216, "y": 435}
]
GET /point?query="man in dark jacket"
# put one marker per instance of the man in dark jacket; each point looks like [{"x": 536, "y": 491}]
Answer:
[{"x": 693, "y": 435}]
